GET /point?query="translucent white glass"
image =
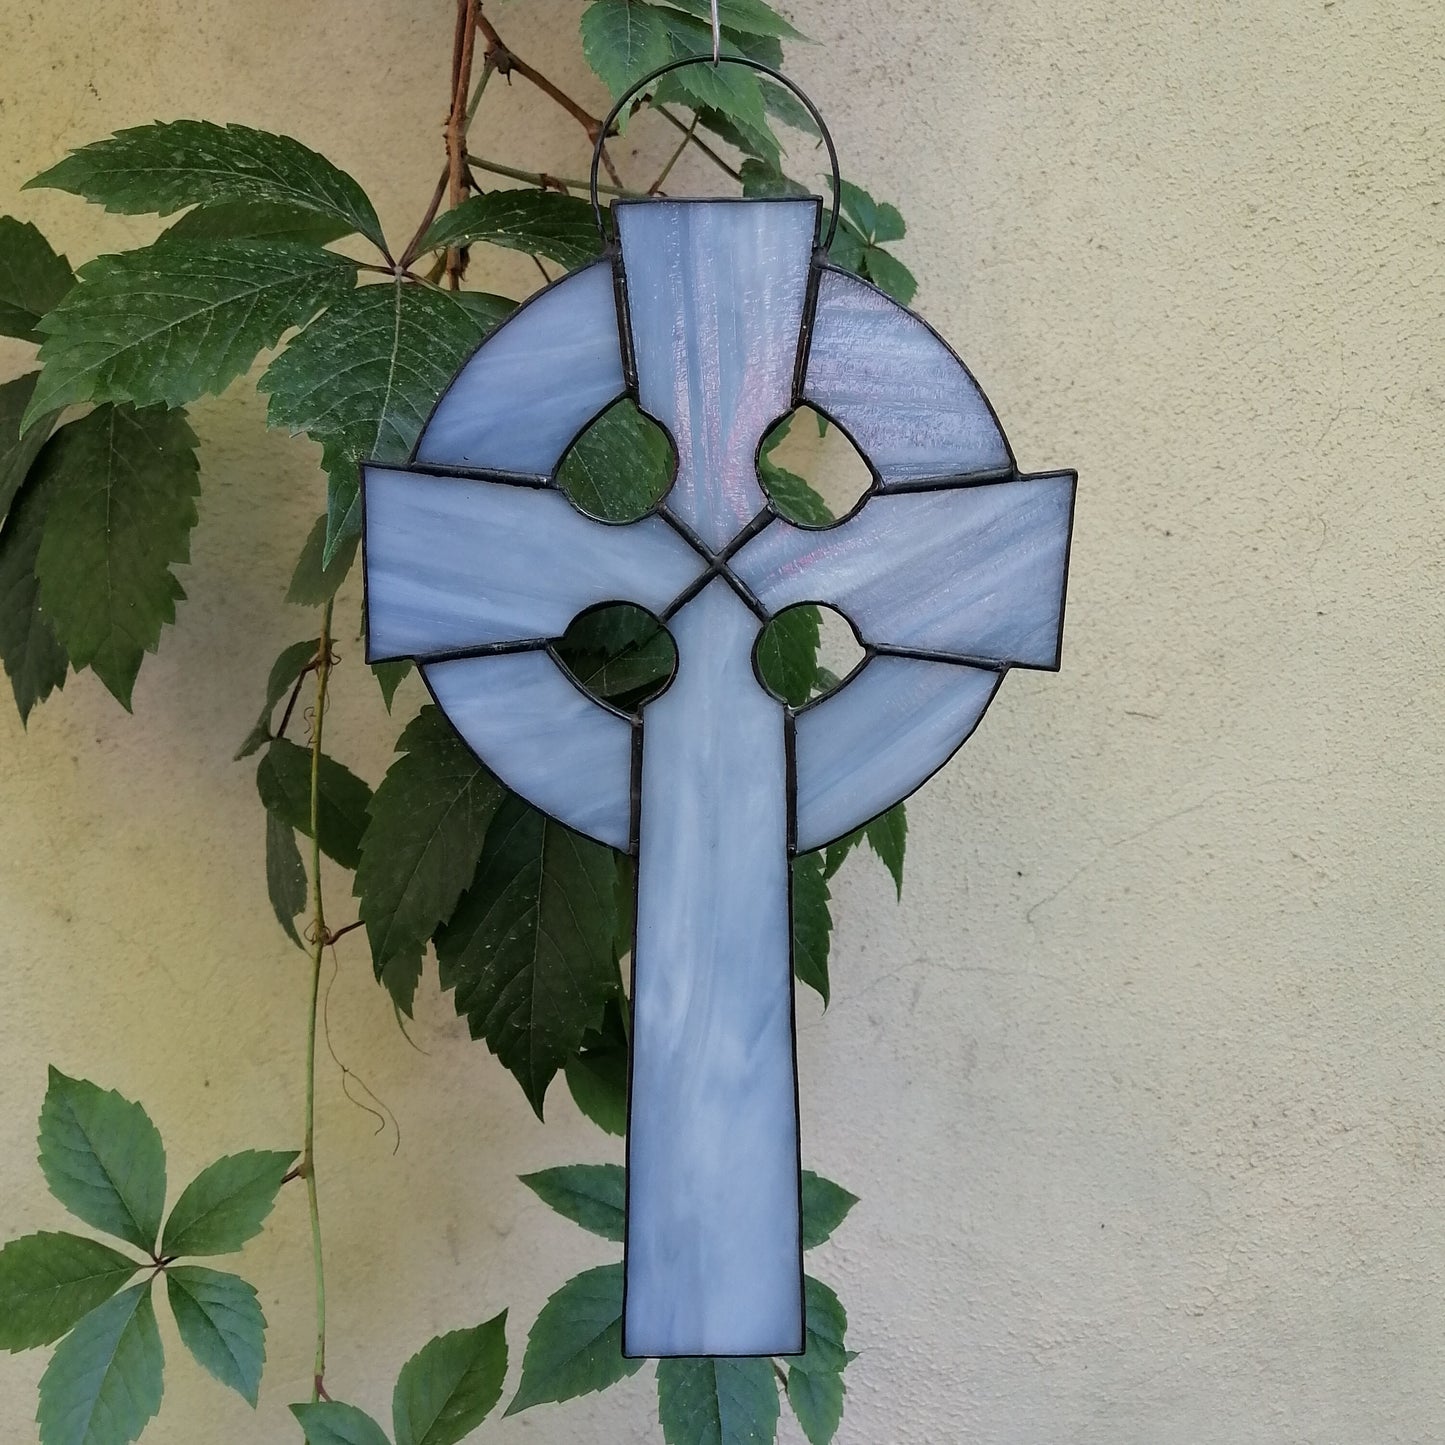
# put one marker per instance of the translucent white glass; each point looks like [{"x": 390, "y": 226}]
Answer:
[
  {"x": 713, "y": 1252},
  {"x": 969, "y": 572},
  {"x": 534, "y": 383},
  {"x": 903, "y": 396},
  {"x": 453, "y": 563},
  {"x": 543, "y": 737},
  {"x": 883, "y": 734},
  {"x": 715, "y": 295}
]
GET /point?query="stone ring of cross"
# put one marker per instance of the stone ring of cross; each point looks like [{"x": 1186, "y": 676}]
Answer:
[{"x": 717, "y": 318}]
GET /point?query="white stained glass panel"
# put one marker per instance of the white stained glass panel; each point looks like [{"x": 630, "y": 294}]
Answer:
[
  {"x": 907, "y": 401},
  {"x": 543, "y": 737},
  {"x": 453, "y": 563},
  {"x": 883, "y": 734},
  {"x": 713, "y": 1250},
  {"x": 969, "y": 572},
  {"x": 715, "y": 296},
  {"x": 534, "y": 383}
]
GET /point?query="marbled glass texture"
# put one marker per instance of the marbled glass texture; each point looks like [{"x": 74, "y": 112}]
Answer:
[
  {"x": 906, "y": 400},
  {"x": 952, "y": 571},
  {"x": 545, "y": 737},
  {"x": 715, "y": 296},
  {"x": 713, "y": 1264},
  {"x": 967, "y": 572}
]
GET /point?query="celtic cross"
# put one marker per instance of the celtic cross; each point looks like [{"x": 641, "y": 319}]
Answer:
[{"x": 718, "y": 318}]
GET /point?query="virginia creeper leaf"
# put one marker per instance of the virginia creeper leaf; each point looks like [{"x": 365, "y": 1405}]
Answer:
[
  {"x": 176, "y": 320},
  {"x": 817, "y": 1401},
  {"x": 50, "y": 1281},
  {"x": 167, "y": 165},
  {"x": 619, "y": 466},
  {"x": 544, "y": 223},
  {"x": 827, "y": 1323},
  {"x": 123, "y": 487},
  {"x": 285, "y": 672},
  {"x": 18, "y": 452},
  {"x": 285, "y": 876},
  {"x": 103, "y": 1159},
  {"x": 752, "y": 17},
  {"x": 226, "y": 1203},
  {"x": 103, "y": 1384},
  {"x": 812, "y": 923},
  {"x": 597, "y": 1073},
  {"x": 428, "y": 822},
  {"x": 576, "y": 1343},
  {"x": 592, "y": 1195},
  {"x": 529, "y": 949},
  {"x": 34, "y": 659},
  {"x": 315, "y": 580},
  {"x": 825, "y": 1207},
  {"x": 257, "y": 221},
  {"x": 32, "y": 278},
  {"x": 717, "y": 1402},
  {"x": 220, "y": 1322},
  {"x": 363, "y": 377},
  {"x": 329, "y": 1422},
  {"x": 284, "y": 783},
  {"x": 449, "y": 1386}
]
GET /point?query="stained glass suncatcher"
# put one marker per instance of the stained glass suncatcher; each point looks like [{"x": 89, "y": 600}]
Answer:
[{"x": 718, "y": 318}]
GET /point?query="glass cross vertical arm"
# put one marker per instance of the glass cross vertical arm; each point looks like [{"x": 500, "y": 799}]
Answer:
[{"x": 718, "y": 317}]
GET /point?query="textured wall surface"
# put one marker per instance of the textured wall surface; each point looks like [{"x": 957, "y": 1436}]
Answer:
[{"x": 1140, "y": 1085}]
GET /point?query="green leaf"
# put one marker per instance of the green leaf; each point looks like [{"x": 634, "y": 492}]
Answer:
[
  {"x": 860, "y": 208},
  {"x": 592, "y": 1195},
  {"x": 363, "y": 377},
  {"x": 34, "y": 660},
  {"x": 543, "y": 223},
  {"x": 787, "y": 653},
  {"x": 257, "y": 221},
  {"x": 329, "y": 1422},
  {"x": 717, "y": 1402},
  {"x": 761, "y": 180},
  {"x": 220, "y": 1322},
  {"x": 575, "y": 1346},
  {"x": 890, "y": 275},
  {"x": 825, "y": 1207},
  {"x": 597, "y": 1075},
  {"x": 619, "y": 466},
  {"x": 390, "y": 676},
  {"x": 887, "y": 835},
  {"x": 825, "y": 1348},
  {"x": 315, "y": 580},
  {"x": 752, "y": 17},
  {"x": 622, "y": 41},
  {"x": 792, "y": 496},
  {"x": 450, "y": 1385},
  {"x": 32, "y": 278},
  {"x": 17, "y": 452},
  {"x": 817, "y": 1401},
  {"x": 284, "y": 783},
  {"x": 226, "y": 1203},
  {"x": 758, "y": 145},
  {"x": 123, "y": 489},
  {"x": 50, "y": 1281},
  {"x": 179, "y": 319},
  {"x": 285, "y": 672},
  {"x": 167, "y": 165},
  {"x": 103, "y": 1384},
  {"x": 812, "y": 923},
  {"x": 428, "y": 822},
  {"x": 619, "y": 653},
  {"x": 529, "y": 949},
  {"x": 103, "y": 1159},
  {"x": 285, "y": 876},
  {"x": 847, "y": 248}
]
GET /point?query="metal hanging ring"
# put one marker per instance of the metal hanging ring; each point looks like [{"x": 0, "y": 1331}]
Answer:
[{"x": 742, "y": 60}]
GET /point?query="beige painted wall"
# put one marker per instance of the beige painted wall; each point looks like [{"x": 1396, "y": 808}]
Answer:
[{"x": 1140, "y": 1086}]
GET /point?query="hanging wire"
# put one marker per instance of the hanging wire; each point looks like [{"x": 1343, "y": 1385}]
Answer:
[{"x": 716, "y": 36}]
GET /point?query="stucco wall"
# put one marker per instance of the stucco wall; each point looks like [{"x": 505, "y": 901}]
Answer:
[{"x": 1140, "y": 1086}]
